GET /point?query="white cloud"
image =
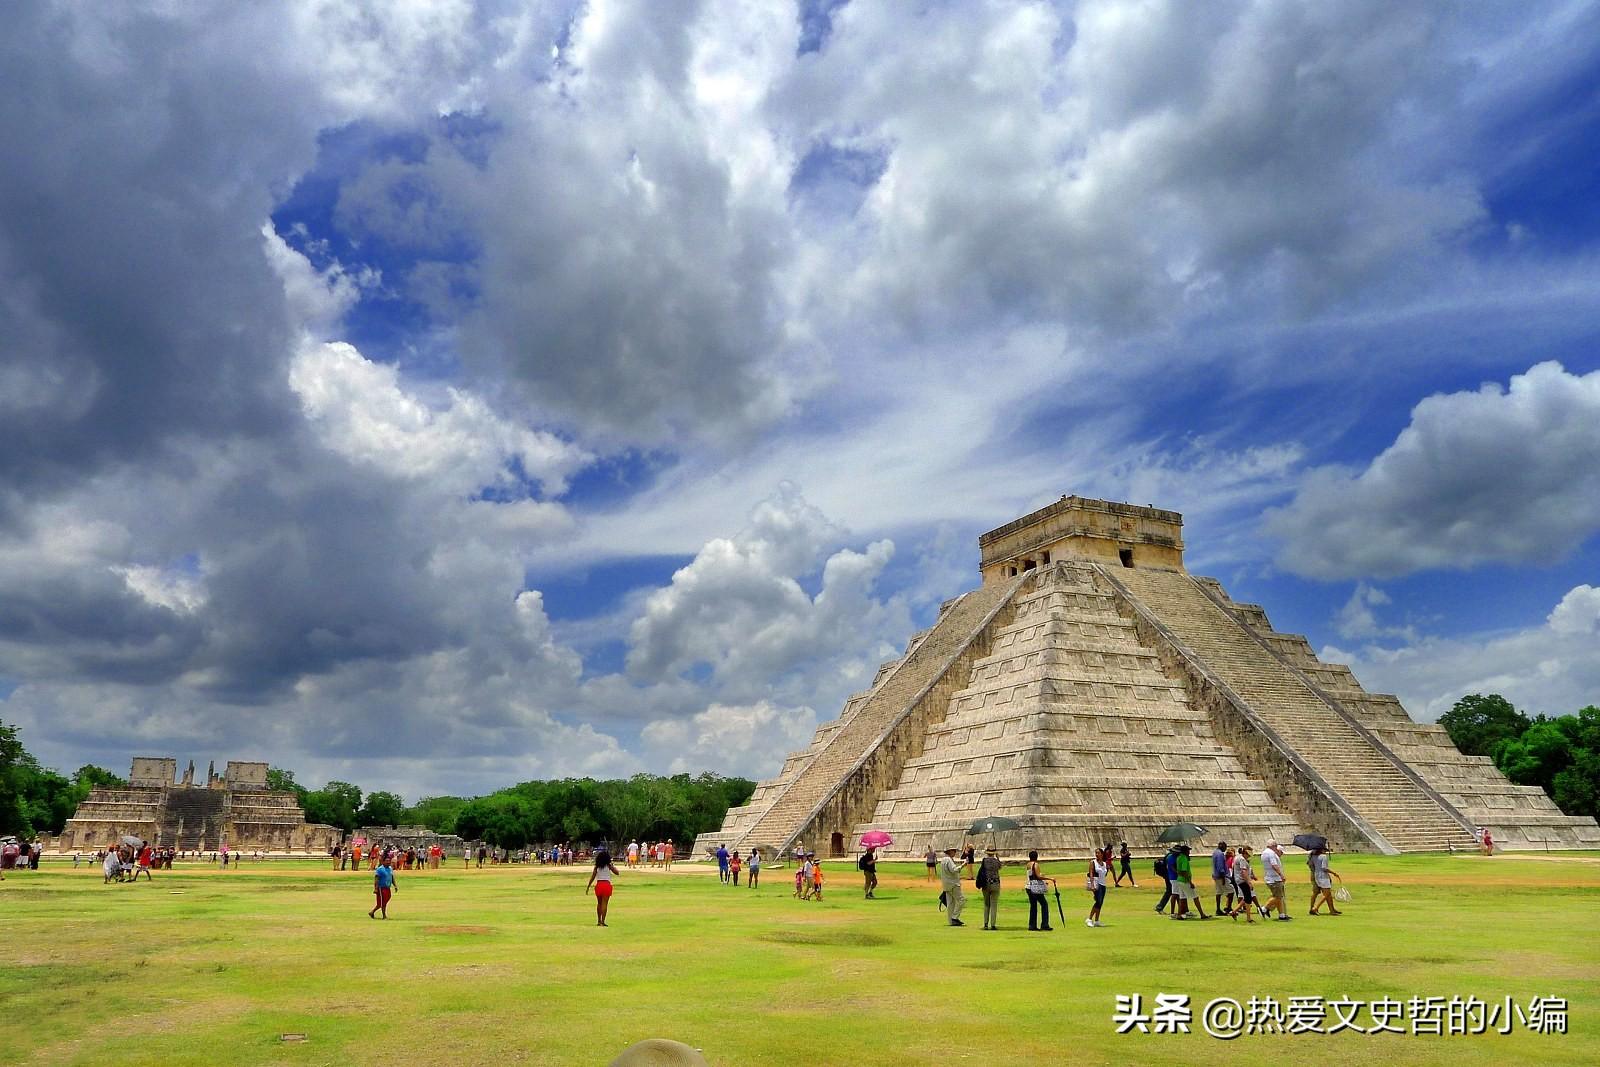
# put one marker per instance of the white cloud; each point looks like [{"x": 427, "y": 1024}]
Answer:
[
  {"x": 1357, "y": 619},
  {"x": 1552, "y": 667},
  {"x": 363, "y": 412},
  {"x": 739, "y": 610},
  {"x": 749, "y": 740},
  {"x": 1503, "y": 474}
]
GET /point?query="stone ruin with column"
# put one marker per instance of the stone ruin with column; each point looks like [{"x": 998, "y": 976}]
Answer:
[{"x": 234, "y": 808}]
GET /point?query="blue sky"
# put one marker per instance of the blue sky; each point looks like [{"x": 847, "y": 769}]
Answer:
[{"x": 440, "y": 395}]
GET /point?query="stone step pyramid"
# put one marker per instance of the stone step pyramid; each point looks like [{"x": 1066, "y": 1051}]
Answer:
[{"x": 1096, "y": 692}]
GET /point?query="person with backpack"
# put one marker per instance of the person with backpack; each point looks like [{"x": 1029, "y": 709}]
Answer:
[
  {"x": 1095, "y": 882},
  {"x": 868, "y": 865},
  {"x": 755, "y": 867},
  {"x": 1164, "y": 867},
  {"x": 989, "y": 886}
]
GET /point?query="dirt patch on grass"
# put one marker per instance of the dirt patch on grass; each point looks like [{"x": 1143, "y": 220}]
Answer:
[
  {"x": 458, "y": 929},
  {"x": 825, "y": 937}
]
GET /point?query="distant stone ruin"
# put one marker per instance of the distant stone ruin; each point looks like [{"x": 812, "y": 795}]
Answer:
[
  {"x": 1096, "y": 692},
  {"x": 234, "y": 808}
]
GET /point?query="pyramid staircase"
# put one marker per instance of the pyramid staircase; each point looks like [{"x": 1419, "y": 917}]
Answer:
[
  {"x": 1406, "y": 812},
  {"x": 788, "y": 807},
  {"x": 1519, "y": 816},
  {"x": 1071, "y": 726}
]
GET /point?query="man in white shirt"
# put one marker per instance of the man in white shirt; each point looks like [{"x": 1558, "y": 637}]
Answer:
[
  {"x": 1272, "y": 868},
  {"x": 950, "y": 880}
]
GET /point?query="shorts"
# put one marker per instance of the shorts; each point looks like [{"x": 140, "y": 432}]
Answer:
[
  {"x": 1247, "y": 894},
  {"x": 1185, "y": 890},
  {"x": 1276, "y": 889},
  {"x": 1221, "y": 885},
  {"x": 602, "y": 890},
  {"x": 383, "y": 896}
]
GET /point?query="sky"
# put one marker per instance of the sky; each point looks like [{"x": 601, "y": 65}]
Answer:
[{"x": 438, "y": 395}]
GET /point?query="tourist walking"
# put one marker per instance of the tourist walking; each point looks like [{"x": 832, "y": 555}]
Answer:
[
  {"x": 969, "y": 858},
  {"x": 383, "y": 887},
  {"x": 1243, "y": 877},
  {"x": 1164, "y": 867},
  {"x": 1322, "y": 877},
  {"x": 950, "y": 880},
  {"x": 869, "y": 871},
  {"x": 932, "y": 861},
  {"x": 1488, "y": 842},
  {"x": 1221, "y": 856},
  {"x": 755, "y": 867},
  {"x": 1272, "y": 874},
  {"x": 600, "y": 878},
  {"x": 1095, "y": 882},
  {"x": 1126, "y": 870},
  {"x": 1038, "y": 890},
  {"x": 722, "y": 863},
  {"x": 1183, "y": 885},
  {"x": 989, "y": 886},
  {"x": 734, "y": 866}
]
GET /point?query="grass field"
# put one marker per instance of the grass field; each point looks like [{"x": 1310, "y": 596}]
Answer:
[{"x": 505, "y": 965}]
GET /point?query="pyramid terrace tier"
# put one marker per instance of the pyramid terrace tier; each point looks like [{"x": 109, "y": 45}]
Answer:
[{"x": 1518, "y": 816}]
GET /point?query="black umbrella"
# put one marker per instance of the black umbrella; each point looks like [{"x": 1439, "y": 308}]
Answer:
[
  {"x": 1058, "y": 904},
  {"x": 1310, "y": 841},
  {"x": 991, "y": 824},
  {"x": 1182, "y": 831}
]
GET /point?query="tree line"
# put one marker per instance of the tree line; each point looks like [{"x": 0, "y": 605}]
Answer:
[
  {"x": 1561, "y": 755},
  {"x": 37, "y": 800},
  {"x": 646, "y": 806}
]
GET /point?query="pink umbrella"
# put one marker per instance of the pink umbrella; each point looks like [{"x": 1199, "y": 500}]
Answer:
[{"x": 875, "y": 839}]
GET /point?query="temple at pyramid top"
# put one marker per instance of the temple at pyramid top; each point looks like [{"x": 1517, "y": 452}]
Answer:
[
  {"x": 1078, "y": 528},
  {"x": 1094, "y": 691}
]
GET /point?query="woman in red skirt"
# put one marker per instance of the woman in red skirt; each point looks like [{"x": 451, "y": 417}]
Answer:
[{"x": 600, "y": 878}]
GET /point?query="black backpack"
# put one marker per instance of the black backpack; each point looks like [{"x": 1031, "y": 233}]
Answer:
[{"x": 1161, "y": 866}]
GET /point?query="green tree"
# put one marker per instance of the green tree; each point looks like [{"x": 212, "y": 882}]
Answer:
[
  {"x": 335, "y": 804},
  {"x": 89, "y": 776},
  {"x": 17, "y": 768},
  {"x": 381, "y": 809},
  {"x": 438, "y": 814},
  {"x": 283, "y": 781},
  {"x": 1540, "y": 753},
  {"x": 1477, "y": 723}
]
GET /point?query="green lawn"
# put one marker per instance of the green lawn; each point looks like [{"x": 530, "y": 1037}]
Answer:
[{"x": 505, "y": 965}]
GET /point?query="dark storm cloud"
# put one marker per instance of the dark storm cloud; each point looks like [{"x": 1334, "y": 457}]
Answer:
[{"x": 138, "y": 308}]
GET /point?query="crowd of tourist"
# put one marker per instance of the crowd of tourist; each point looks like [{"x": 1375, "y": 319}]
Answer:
[
  {"x": 17, "y": 855},
  {"x": 1234, "y": 878}
]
